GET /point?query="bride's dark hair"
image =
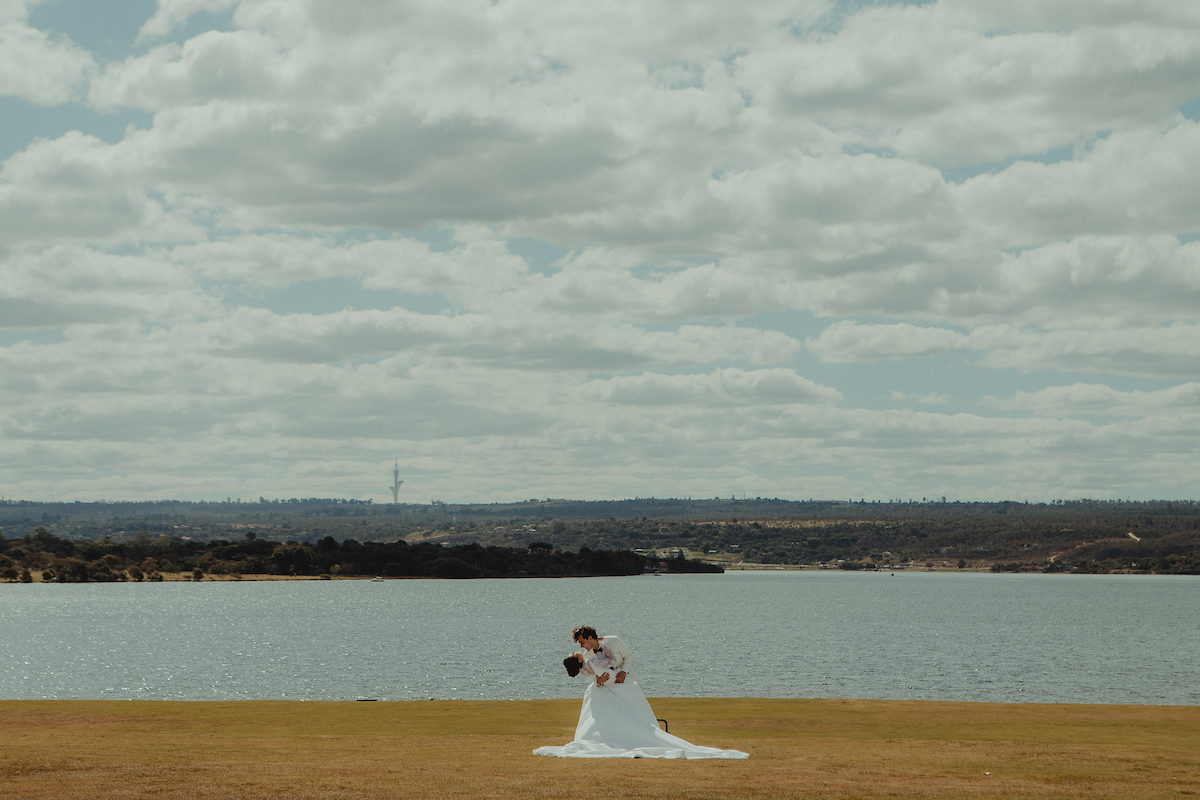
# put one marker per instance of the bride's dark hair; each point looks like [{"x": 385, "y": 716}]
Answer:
[{"x": 572, "y": 664}]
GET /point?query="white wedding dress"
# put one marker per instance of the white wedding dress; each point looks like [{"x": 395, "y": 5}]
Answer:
[{"x": 616, "y": 721}]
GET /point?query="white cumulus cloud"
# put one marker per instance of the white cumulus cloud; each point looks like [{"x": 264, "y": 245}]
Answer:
[
  {"x": 848, "y": 342},
  {"x": 45, "y": 70},
  {"x": 792, "y": 247}
]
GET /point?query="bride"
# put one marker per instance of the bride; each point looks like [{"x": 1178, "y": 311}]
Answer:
[{"x": 616, "y": 720}]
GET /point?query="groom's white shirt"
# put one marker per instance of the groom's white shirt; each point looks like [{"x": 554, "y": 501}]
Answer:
[{"x": 622, "y": 658}]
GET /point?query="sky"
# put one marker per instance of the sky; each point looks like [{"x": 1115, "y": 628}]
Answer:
[{"x": 602, "y": 250}]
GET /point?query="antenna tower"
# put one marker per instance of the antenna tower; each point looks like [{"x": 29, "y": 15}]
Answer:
[{"x": 396, "y": 482}]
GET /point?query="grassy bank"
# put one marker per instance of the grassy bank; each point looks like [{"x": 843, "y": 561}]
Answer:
[{"x": 475, "y": 749}]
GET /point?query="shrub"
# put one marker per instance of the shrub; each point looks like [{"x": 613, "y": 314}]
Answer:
[{"x": 73, "y": 571}]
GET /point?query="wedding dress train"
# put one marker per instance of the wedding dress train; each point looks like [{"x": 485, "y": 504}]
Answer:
[{"x": 616, "y": 722}]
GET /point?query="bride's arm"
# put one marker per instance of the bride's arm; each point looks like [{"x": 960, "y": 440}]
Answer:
[{"x": 600, "y": 666}]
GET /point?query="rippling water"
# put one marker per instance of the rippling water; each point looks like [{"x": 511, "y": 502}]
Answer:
[{"x": 933, "y": 636}]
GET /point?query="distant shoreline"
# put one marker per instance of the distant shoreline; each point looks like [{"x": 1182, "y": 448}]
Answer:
[
  {"x": 186, "y": 577},
  {"x": 1093, "y": 537}
]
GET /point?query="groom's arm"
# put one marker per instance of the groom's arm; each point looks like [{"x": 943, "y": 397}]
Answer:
[{"x": 624, "y": 662}]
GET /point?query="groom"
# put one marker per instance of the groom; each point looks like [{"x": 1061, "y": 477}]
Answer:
[{"x": 622, "y": 666}]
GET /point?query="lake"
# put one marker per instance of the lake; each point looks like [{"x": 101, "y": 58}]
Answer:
[{"x": 823, "y": 634}]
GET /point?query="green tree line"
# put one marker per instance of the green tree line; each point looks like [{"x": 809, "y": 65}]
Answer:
[
  {"x": 147, "y": 558},
  {"x": 1079, "y": 535}
]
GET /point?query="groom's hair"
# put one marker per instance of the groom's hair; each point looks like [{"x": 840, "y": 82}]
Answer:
[
  {"x": 584, "y": 632},
  {"x": 572, "y": 665}
]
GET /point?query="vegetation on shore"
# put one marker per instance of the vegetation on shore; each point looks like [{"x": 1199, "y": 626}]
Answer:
[
  {"x": 1161, "y": 537},
  {"x": 143, "y": 558},
  {"x": 71, "y": 750}
]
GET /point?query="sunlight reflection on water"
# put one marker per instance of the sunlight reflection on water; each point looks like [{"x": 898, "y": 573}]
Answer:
[{"x": 943, "y": 636}]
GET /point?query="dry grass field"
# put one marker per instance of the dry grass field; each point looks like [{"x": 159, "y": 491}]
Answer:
[{"x": 77, "y": 750}]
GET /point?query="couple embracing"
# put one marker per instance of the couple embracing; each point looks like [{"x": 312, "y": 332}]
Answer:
[{"x": 616, "y": 720}]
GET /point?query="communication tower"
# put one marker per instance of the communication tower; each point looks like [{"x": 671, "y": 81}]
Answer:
[{"x": 396, "y": 482}]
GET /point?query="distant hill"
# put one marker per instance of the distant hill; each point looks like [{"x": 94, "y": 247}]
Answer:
[
  {"x": 42, "y": 556},
  {"x": 1080, "y": 535}
]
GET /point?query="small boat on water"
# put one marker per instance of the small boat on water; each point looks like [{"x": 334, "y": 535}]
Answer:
[{"x": 377, "y": 579}]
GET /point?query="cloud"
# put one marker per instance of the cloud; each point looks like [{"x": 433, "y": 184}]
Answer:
[
  {"x": 1159, "y": 351},
  {"x": 35, "y": 66},
  {"x": 959, "y": 83},
  {"x": 146, "y": 399},
  {"x": 66, "y": 285},
  {"x": 212, "y": 67},
  {"x": 1155, "y": 351},
  {"x": 520, "y": 343},
  {"x": 933, "y": 398},
  {"x": 1091, "y": 279},
  {"x": 731, "y": 387},
  {"x": 78, "y": 188},
  {"x": 1175, "y": 402},
  {"x": 172, "y": 14},
  {"x": 713, "y": 197},
  {"x": 850, "y": 342},
  {"x": 1131, "y": 182}
]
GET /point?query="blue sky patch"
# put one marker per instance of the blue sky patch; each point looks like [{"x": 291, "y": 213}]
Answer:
[
  {"x": 11, "y": 336},
  {"x": 540, "y": 255},
  {"x": 1191, "y": 109},
  {"x": 23, "y": 122},
  {"x": 1053, "y": 156},
  {"x": 105, "y": 28}
]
